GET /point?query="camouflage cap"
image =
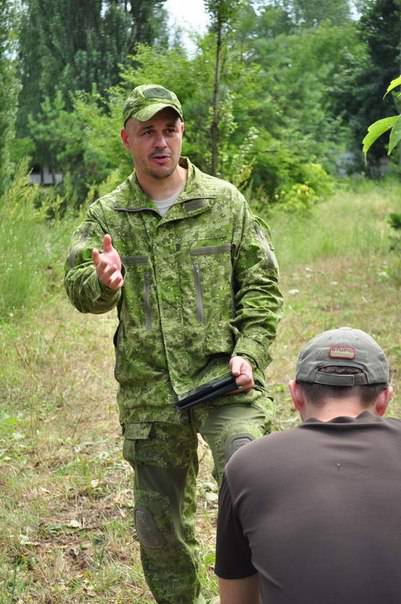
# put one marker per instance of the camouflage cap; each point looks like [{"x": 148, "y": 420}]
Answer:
[
  {"x": 147, "y": 100},
  {"x": 345, "y": 348}
]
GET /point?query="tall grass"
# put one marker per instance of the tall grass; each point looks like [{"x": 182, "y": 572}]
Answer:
[
  {"x": 31, "y": 258},
  {"x": 352, "y": 223}
]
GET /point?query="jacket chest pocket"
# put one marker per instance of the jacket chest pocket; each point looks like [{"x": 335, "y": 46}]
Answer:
[
  {"x": 138, "y": 290},
  {"x": 212, "y": 282}
]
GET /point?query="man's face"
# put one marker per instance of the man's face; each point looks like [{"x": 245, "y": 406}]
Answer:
[{"x": 155, "y": 145}]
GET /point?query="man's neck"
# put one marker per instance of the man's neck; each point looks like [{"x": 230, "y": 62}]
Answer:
[
  {"x": 163, "y": 188},
  {"x": 335, "y": 408}
]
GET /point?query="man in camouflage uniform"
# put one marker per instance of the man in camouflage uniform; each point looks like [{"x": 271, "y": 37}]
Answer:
[{"x": 194, "y": 279}]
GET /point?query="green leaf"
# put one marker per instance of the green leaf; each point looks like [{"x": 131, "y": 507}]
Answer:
[
  {"x": 393, "y": 84},
  {"x": 395, "y": 136},
  {"x": 377, "y": 129}
]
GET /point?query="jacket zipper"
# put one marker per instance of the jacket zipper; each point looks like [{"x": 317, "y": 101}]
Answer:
[
  {"x": 200, "y": 313},
  {"x": 146, "y": 297}
]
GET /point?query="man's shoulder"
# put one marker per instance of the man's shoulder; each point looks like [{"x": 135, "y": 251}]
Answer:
[
  {"x": 265, "y": 458},
  {"x": 116, "y": 197},
  {"x": 392, "y": 422},
  {"x": 267, "y": 445},
  {"x": 215, "y": 186},
  {"x": 366, "y": 421}
]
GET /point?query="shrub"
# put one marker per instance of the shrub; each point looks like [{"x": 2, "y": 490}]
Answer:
[{"x": 32, "y": 244}]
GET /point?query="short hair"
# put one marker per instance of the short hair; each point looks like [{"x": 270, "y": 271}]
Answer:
[{"x": 317, "y": 394}]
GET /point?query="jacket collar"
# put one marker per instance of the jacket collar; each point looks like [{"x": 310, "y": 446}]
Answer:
[{"x": 194, "y": 198}]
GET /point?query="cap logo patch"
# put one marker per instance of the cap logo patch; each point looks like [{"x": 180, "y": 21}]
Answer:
[{"x": 342, "y": 351}]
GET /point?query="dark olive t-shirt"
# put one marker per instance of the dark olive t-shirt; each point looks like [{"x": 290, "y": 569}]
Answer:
[{"x": 316, "y": 511}]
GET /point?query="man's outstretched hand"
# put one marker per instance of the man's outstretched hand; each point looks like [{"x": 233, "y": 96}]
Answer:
[
  {"x": 242, "y": 371},
  {"x": 108, "y": 264}
]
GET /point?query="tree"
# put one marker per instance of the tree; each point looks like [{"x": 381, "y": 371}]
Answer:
[
  {"x": 8, "y": 89},
  {"x": 148, "y": 19},
  {"x": 298, "y": 66},
  {"x": 222, "y": 14},
  {"x": 75, "y": 45},
  {"x": 311, "y": 13},
  {"x": 360, "y": 94}
]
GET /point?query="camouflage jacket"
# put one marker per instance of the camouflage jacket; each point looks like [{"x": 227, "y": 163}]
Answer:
[{"x": 200, "y": 286}]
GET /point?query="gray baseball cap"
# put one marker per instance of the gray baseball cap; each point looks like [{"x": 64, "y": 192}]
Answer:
[
  {"x": 147, "y": 100},
  {"x": 346, "y": 348}
]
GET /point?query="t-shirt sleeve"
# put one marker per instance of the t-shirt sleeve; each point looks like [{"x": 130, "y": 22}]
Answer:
[{"x": 233, "y": 554}]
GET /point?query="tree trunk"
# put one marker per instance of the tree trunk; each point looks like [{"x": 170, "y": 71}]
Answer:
[{"x": 214, "y": 127}]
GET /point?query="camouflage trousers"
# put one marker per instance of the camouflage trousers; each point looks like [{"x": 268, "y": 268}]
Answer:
[{"x": 165, "y": 461}]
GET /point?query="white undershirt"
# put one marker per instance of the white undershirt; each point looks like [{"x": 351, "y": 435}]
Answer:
[{"x": 164, "y": 204}]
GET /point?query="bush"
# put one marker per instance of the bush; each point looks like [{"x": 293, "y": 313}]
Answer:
[{"x": 32, "y": 245}]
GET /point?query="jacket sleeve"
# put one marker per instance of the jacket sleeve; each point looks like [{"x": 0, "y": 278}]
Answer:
[
  {"x": 258, "y": 299},
  {"x": 83, "y": 287}
]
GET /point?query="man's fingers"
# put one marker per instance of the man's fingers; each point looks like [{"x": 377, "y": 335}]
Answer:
[
  {"x": 95, "y": 256},
  {"x": 239, "y": 366},
  {"x": 235, "y": 366},
  {"x": 111, "y": 278},
  {"x": 109, "y": 271},
  {"x": 242, "y": 371},
  {"x": 116, "y": 281},
  {"x": 244, "y": 380},
  {"x": 107, "y": 244}
]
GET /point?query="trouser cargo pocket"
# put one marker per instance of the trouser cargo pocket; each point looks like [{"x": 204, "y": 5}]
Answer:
[{"x": 132, "y": 434}]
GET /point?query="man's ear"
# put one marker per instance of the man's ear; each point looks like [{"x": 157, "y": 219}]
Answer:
[
  {"x": 124, "y": 137},
  {"x": 297, "y": 396},
  {"x": 382, "y": 401}
]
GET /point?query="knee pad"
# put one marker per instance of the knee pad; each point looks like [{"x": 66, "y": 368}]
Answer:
[
  {"x": 147, "y": 530},
  {"x": 235, "y": 442}
]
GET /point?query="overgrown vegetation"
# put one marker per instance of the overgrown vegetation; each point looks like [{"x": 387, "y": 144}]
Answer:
[
  {"x": 30, "y": 267},
  {"x": 276, "y": 95},
  {"x": 66, "y": 529}
]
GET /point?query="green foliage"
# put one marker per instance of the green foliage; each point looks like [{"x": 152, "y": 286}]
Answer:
[
  {"x": 223, "y": 16},
  {"x": 394, "y": 219},
  {"x": 247, "y": 151},
  {"x": 394, "y": 84},
  {"x": 272, "y": 115},
  {"x": 281, "y": 176},
  {"x": 381, "y": 126},
  {"x": 314, "y": 184},
  {"x": 300, "y": 68},
  {"x": 237, "y": 163},
  {"x": 346, "y": 228},
  {"x": 377, "y": 129},
  {"x": 311, "y": 13},
  {"x": 88, "y": 149},
  {"x": 360, "y": 93},
  {"x": 73, "y": 46},
  {"x": 8, "y": 89},
  {"x": 20, "y": 229},
  {"x": 27, "y": 268},
  {"x": 222, "y": 13}
]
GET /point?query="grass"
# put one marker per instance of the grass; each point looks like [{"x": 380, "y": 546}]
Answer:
[
  {"x": 32, "y": 267},
  {"x": 66, "y": 530}
]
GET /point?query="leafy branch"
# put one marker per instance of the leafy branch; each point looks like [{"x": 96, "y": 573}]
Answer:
[{"x": 392, "y": 123}]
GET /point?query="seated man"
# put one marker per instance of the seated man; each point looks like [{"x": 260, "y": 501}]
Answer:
[{"x": 312, "y": 515}]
